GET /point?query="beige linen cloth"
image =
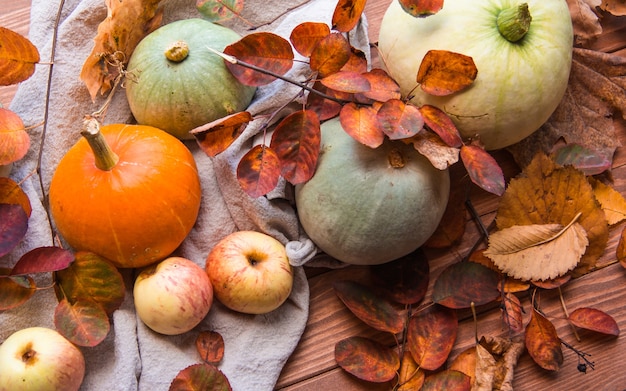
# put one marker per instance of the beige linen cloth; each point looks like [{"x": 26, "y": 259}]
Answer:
[{"x": 133, "y": 357}]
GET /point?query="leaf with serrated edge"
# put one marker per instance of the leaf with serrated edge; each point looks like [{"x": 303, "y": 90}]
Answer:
[{"x": 612, "y": 201}]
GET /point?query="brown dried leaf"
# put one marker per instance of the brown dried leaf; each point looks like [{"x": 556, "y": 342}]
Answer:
[
  {"x": 585, "y": 20},
  {"x": 620, "y": 252},
  {"x": 594, "y": 320},
  {"x": 545, "y": 193},
  {"x": 466, "y": 362},
  {"x": 442, "y": 72},
  {"x": 404, "y": 280},
  {"x": 210, "y": 346},
  {"x": 612, "y": 202},
  {"x": 537, "y": 252},
  {"x": 543, "y": 343},
  {"x": 452, "y": 225},
  {"x": 367, "y": 359},
  {"x": 463, "y": 284},
  {"x": 512, "y": 313},
  {"x": 615, "y": 7},
  {"x": 440, "y": 154},
  {"x": 16, "y": 290},
  {"x": 430, "y": 336},
  {"x": 449, "y": 380},
  {"x": 216, "y": 136},
  {"x": 18, "y": 57},
  {"x": 595, "y": 94},
  {"x": 507, "y": 353},
  {"x": 127, "y": 23}
]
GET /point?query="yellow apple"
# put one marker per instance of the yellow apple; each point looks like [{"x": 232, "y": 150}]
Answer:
[
  {"x": 172, "y": 296},
  {"x": 40, "y": 359},
  {"x": 250, "y": 272}
]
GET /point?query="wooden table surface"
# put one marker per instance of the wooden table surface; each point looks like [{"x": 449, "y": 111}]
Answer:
[{"x": 312, "y": 365}]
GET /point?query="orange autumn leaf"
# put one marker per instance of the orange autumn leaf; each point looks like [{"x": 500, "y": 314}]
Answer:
[
  {"x": 430, "y": 336},
  {"x": 258, "y": 171},
  {"x": 330, "y": 54},
  {"x": 442, "y": 72},
  {"x": 347, "y": 14},
  {"x": 615, "y": 7},
  {"x": 595, "y": 320},
  {"x": 421, "y": 8},
  {"x": 18, "y": 57},
  {"x": 367, "y": 359},
  {"x": 215, "y": 137},
  {"x": 410, "y": 377},
  {"x": 16, "y": 290},
  {"x": 12, "y": 193},
  {"x": 347, "y": 81},
  {"x": 399, "y": 120},
  {"x": 382, "y": 86},
  {"x": 449, "y": 380},
  {"x": 612, "y": 201},
  {"x": 441, "y": 123},
  {"x": 14, "y": 141},
  {"x": 512, "y": 313},
  {"x": 126, "y": 24},
  {"x": 307, "y": 35},
  {"x": 357, "y": 61},
  {"x": 325, "y": 108},
  {"x": 361, "y": 123},
  {"x": 483, "y": 169},
  {"x": 543, "y": 343}
]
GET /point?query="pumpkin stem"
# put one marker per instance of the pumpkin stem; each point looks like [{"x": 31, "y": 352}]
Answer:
[
  {"x": 395, "y": 158},
  {"x": 177, "y": 51},
  {"x": 106, "y": 159},
  {"x": 514, "y": 22}
]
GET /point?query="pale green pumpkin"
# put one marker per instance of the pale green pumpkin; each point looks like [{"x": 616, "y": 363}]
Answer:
[
  {"x": 369, "y": 206},
  {"x": 519, "y": 84},
  {"x": 176, "y": 83}
]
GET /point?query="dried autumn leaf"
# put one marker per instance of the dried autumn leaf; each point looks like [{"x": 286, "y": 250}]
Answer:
[
  {"x": 296, "y": 142},
  {"x": 83, "y": 322},
  {"x": 410, "y": 377},
  {"x": 582, "y": 158},
  {"x": 12, "y": 193},
  {"x": 507, "y": 352},
  {"x": 452, "y": 225},
  {"x": 347, "y": 14},
  {"x": 91, "y": 276},
  {"x": 361, "y": 123},
  {"x": 14, "y": 141},
  {"x": 620, "y": 252},
  {"x": 552, "y": 283},
  {"x": 404, "y": 280},
  {"x": 430, "y": 336},
  {"x": 585, "y": 21},
  {"x": 330, "y": 54},
  {"x": 545, "y": 193},
  {"x": 42, "y": 260},
  {"x": 13, "y": 227},
  {"x": 615, "y": 7},
  {"x": 215, "y": 137},
  {"x": 483, "y": 169},
  {"x": 512, "y": 313},
  {"x": 440, "y": 123},
  {"x": 210, "y": 346},
  {"x": 465, "y": 283},
  {"x": 127, "y": 23},
  {"x": 612, "y": 202},
  {"x": 421, "y": 8},
  {"x": 323, "y": 107},
  {"x": 442, "y": 72},
  {"x": 18, "y": 57},
  {"x": 466, "y": 363},
  {"x": 382, "y": 86},
  {"x": 543, "y": 343},
  {"x": 430, "y": 145},
  {"x": 258, "y": 171},
  {"x": 267, "y": 51},
  {"x": 219, "y": 11},
  {"x": 537, "y": 252},
  {"x": 198, "y": 377},
  {"x": 486, "y": 365},
  {"x": 596, "y": 93},
  {"x": 449, "y": 380},
  {"x": 347, "y": 81},
  {"x": 367, "y": 359},
  {"x": 399, "y": 120},
  {"x": 594, "y": 320},
  {"x": 16, "y": 290},
  {"x": 371, "y": 308},
  {"x": 307, "y": 35}
]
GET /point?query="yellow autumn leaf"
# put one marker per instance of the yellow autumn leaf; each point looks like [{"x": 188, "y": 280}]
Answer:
[
  {"x": 537, "y": 252},
  {"x": 612, "y": 202}
]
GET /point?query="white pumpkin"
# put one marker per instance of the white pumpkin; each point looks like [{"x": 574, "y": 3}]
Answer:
[{"x": 519, "y": 84}]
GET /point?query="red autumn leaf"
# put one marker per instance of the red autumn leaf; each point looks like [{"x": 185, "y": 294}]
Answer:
[
  {"x": 399, "y": 120},
  {"x": 449, "y": 380},
  {"x": 464, "y": 283},
  {"x": 431, "y": 335},
  {"x": 215, "y": 137},
  {"x": 383, "y": 87},
  {"x": 367, "y": 359},
  {"x": 371, "y": 308},
  {"x": 264, "y": 50},
  {"x": 323, "y": 107},
  {"x": 330, "y": 54},
  {"x": 405, "y": 280},
  {"x": 357, "y": 61},
  {"x": 18, "y": 57},
  {"x": 347, "y": 14},
  {"x": 307, "y": 35},
  {"x": 14, "y": 141},
  {"x": 43, "y": 259},
  {"x": 483, "y": 169},
  {"x": 210, "y": 346},
  {"x": 12, "y": 193},
  {"x": 200, "y": 377},
  {"x": 91, "y": 276},
  {"x": 584, "y": 159},
  {"x": 512, "y": 313},
  {"x": 361, "y": 123},
  {"x": 452, "y": 225},
  {"x": 347, "y": 81},
  {"x": 594, "y": 320},
  {"x": 16, "y": 290},
  {"x": 440, "y": 123},
  {"x": 258, "y": 171},
  {"x": 219, "y": 11},
  {"x": 296, "y": 142},
  {"x": 421, "y": 8},
  {"x": 13, "y": 227},
  {"x": 543, "y": 343},
  {"x": 84, "y": 322},
  {"x": 443, "y": 73}
]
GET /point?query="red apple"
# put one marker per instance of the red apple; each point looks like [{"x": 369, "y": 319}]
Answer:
[
  {"x": 172, "y": 296},
  {"x": 39, "y": 358},
  {"x": 250, "y": 272}
]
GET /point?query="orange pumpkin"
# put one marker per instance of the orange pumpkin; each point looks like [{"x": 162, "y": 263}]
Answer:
[{"x": 129, "y": 193}]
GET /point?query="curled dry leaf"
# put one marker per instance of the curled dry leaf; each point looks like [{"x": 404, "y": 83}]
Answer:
[
  {"x": 507, "y": 353},
  {"x": 585, "y": 20},
  {"x": 615, "y": 7},
  {"x": 14, "y": 141},
  {"x": 215, "y": 137},
  {"x": 18, "y": 57},
  {"x": 440, "y": 154},
  {"x": 612, "y": 202},
  {"x": 537, "y": 252},
  {"x": 442, "y": 72},
  {"x": 545, "y": 193}
]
